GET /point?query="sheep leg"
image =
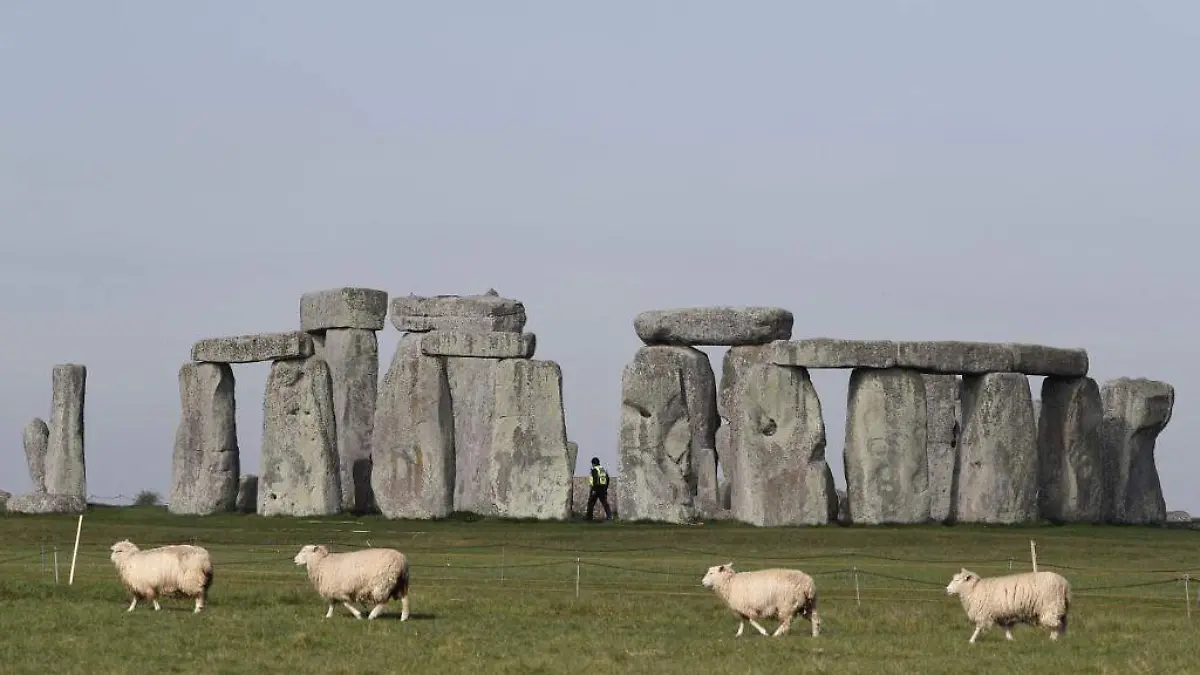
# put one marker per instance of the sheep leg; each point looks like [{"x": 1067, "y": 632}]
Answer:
[
  {"x": 156, "y": 605},
  {"x": 132, "y": 604},
  {"x": 330, "y": 612},
  {"x": 375, "y": 611},
  {"x": 816, "y": 622},
  {"x": 756, "y": 625},
  {"x": 741, "y": 627},
  {"x": 784, "y": 626},
  {"x": 978, "y": 630},
  {"x": 404, "y": 607},
  {"x": 353, "y": 610}
]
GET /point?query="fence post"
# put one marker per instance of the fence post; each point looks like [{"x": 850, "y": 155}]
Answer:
[
  {"x": 577, "y": 577},
  {"x": 43, "y": 556},
  {"x": 1010, "y": 563},
  {"x": 857, "y": 597},
  {"x": 1187, "y": 596},
  {"x": 56, "y": 564},
  {"x": 75, "y": 553},
  {"x": 1033, "y": 554},
  {"x": 501, "y": 564}
]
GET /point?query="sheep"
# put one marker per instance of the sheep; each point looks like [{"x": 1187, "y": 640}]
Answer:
[
  {"x": 1030, "y": 597},
  {"x": 180, "y": 570},
  {"x": 374, "y": 574},
  {"x": 764, "y": 594}
]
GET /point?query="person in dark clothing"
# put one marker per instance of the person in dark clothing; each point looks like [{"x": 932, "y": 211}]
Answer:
[{"x": 598, "y": 489}]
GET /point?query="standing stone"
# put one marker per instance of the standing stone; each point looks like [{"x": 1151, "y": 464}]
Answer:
[
  {"x": 412, "y": 446},
  {"x": 736, "y": 362},
  {"x": 572, "y": 458},
  {"x": 531, "y": 470},
  {"x": 700, "y": 399},
  {"x": 886, "y": 455},
  {"x": 1037, "y": 411},
  {"x": 782, "y": 477},
  {"x": 472, "y": 403},
  {"x": 66, "y": 473},
  {"x": 1070, "y": 452},
  {"x": 36, "y": 439},
  {"x": 996, "y": 479},
  {"x": 1135, "y": 413},
  {"x": 655, "y": 439},
  {"x": 353, "y": 358},
  {"x": 942, "y": 432},
  {"x": 727, "y": 464},
  {"x": 247, "y": 496},
  {"x": 299, "y": 448},
  {"x": 205, "y": 464},
  {"x": 4, "y": 497}
]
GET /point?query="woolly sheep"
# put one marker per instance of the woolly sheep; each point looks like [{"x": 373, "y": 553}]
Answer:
[
  {"x": 764, "y": 594},
  {"x": 180, "y": 570},
  {"x": 373, "y": 574},
  {"x": 1030, "y": 597}
]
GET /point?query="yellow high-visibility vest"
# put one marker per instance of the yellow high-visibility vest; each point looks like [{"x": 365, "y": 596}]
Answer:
[{"x": 601, "y": 474}]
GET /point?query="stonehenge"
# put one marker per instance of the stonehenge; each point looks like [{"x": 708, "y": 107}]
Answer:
[
  {"x": 465, "y": 419},
  {"x": 936, "y": 431}
]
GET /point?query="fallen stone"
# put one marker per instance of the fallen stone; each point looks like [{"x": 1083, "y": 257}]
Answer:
[
  {"x": 66, "y": 472},
  {"x": 782, "y": 477},
  {"x": 886, "y": 452},
  {"x": 579, "y": 498},
  {"x": 1172, "y": 516},
  {"x": 412, "y": 446},
  {"x": 942, "y": 433},
  {"x": 934, "y": 357},
  {"x": 486, "y": 313},
  {"x": 532, "y": 470},
  {"x": 46, "y": 502},
  {"x": 480, "y": 345},
  {"x": 247, "y": 496},
  {"x": 363, "y": 308},
  {"x": 655, "y": 442},
  {"x": 473, "y": 404},
  {"x": 833, "y": 353},
  {"x": 254, "y": 348},
  {"x": 718, "y": 326},
  {"x": 353, "y": 358},
  {"x": 35, "y": 437},
  {"x": 299, "y": 474},
  {"x": 1135, "y": 412},
  {"x": 996, "y": 478},
  {"x": 1071, "y": 452},
  {"x": 206, "y": 462}
]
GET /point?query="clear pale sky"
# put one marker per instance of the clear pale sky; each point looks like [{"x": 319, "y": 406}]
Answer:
[{"x": 1020, "y": 171}]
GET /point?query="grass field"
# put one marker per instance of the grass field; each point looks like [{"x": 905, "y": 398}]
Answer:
[{"x": 500, "y": 597}]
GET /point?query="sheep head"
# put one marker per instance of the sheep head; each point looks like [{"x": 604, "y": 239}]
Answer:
[
  {"x": 717, "y": 574},
  {"x": 960, "y": 581},
  {"x": 309, "y": 553},
  {"x": 121, "y": 549}
]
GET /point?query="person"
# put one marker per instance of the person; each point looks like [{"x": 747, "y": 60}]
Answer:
[{"x": 598, "y": 489}]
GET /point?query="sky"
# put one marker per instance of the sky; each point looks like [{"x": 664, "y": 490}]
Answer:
[{"x": 1020, "y": 171}]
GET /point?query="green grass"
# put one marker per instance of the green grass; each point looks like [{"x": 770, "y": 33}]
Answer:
[{"x": 500, "y": 597}]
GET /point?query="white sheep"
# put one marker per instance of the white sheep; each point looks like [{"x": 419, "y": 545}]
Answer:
[
  {"x": 1030, "y": 597},
  {"x": 764, "y": 594},
  {"x": 370, "y": 575},
  {"x": 180, "y": 570}
]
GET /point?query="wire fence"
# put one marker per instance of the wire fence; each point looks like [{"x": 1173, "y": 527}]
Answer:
[{"x": 514, "y": 566}]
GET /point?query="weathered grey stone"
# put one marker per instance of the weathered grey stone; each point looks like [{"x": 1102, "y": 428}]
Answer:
[
  {"x": 4, "y": 497},
  {"x": 833, "y": 353},
  {"x": 1037, "y": 412},
  {"x": 46, "y": 502},
  {"x": 1172, "y": 516},
  {"x": 1049, "y": 361},
  {"x": 700, "y": 400},
  {"x": 473, "y": 404},
  {"x": 655, "y": 441},
  {"x": 247, "y": 496},
  {"x": 843, "y": 514},
  {"x": 531, "y": 471},
  {"x": 486, "y": 312},
  {"x": 206, "y": 462},
  {"x": 781, "y": 477},
  {"x": 726, "y": 499},
  {"x": 254, "y": 348},
  {"x": 579, "y": 497},
  {"x": 363, "y": 308},
  {"x": 1135, "y": 412},
  {"x": 1073, "y": 485},
  {"x": 66, "y": 472},
  {"x": 412, "y": 446},
  {"x": 36, "y": 439},
  {"x": 727, "y": 326},
  {"x": 735, "y": 363},
  {"x": 353, "y": 358},
  {"x": 727, "y": 462},
  {"x": 942, "y": 433},
  {"x": 996, "y": 479},
  {"x": 950, "y": 357},
  {"x": 299, "y": 444},
  {"x": 886, "y": 452},
  {"x": 572, "y": 458},
  {"x": 476, "y": 344}
]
